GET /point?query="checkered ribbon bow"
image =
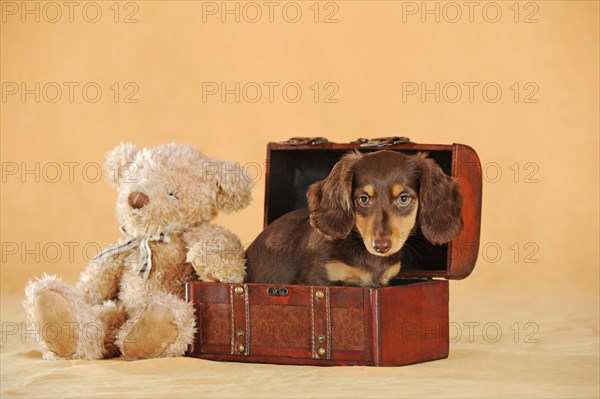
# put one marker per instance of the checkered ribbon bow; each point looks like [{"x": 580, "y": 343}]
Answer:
[{"x": 145, "y": 264}]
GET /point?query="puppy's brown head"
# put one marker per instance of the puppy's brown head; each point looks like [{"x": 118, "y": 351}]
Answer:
[{"x": 382, "y": 195}]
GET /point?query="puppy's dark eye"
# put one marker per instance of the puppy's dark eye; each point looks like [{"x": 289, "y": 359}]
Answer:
[
  {"x": 404, "y": 200},
  {"x": 174, "y": 194},
  {"x": 363, "y": 200}
]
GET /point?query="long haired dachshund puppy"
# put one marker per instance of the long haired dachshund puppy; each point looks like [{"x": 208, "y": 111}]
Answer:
[{"x": 357, "y": 221}]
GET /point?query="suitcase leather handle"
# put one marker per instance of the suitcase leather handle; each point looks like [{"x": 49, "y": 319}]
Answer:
[
  {"x": 296, "y": 141},
  {"x": 381, "y": 141}
]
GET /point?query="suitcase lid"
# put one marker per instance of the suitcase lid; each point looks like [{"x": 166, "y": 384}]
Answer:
[{"x": 295, "y": 164}]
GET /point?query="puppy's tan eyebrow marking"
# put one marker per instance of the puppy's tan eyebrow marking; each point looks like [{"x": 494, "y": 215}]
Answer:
[
  {"x": 397, "y": 190},
  {"x": 369, "y": 190}
]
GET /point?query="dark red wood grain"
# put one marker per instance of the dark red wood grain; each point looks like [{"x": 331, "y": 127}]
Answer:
[{"x": 364, "y": 326}]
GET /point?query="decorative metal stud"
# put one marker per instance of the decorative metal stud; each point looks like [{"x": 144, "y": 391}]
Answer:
[
  {"x": 240, "y": 333},
  {"x": 241, "y": 348},
  {"x": 320, "y": 295},
  {"x": 321, "y": 338},
  {"x": 321, "y": 351},
  {"x": 238, "y": 290}
]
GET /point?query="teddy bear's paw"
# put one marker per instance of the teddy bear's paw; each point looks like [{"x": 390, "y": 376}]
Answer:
[
  {"x": 216, "y": 254},
  {"x": 224, "y": 271},
  {"x": 149, "y": 335},
  {"x": 164, "y": 328},
  {"x": 57, "y": 322},
  {"x": 217, "y": 266},
  {"x": 65, "y": 325}
]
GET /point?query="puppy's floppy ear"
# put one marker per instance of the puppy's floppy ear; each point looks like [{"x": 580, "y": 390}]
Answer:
[
  {"x": 119, "y": 163},
  {"x": 330, "y": 200},
  {"x": 440, "y": 202}
]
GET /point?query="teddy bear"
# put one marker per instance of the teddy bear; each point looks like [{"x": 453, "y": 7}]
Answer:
[{"x": 130, "y": 299}]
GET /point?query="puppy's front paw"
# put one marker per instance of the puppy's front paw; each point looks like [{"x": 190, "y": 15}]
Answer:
[{"x": 389, "y": 273}]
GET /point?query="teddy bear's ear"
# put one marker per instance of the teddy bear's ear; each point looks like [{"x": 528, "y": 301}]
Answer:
[
  {"x": 119, "y": 163},
  {"x": 234, "y": 187}
]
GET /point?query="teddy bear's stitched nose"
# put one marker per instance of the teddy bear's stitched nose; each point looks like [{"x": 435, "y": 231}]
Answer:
[{"x": 137, "y": 199}]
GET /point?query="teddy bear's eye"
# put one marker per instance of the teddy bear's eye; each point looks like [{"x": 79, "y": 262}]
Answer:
[{"x": 174, "y": 194}]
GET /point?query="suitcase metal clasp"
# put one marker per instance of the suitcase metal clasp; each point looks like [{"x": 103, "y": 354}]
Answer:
[{"x": 277, "y": 291}]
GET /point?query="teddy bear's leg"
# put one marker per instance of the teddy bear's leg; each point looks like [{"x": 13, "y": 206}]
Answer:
[
  {"x": 65, "y": 325},
  {"x": 164, "y": 327},
  {"x": 68, "y": 327},
  {"x": 111, "y": 316}
]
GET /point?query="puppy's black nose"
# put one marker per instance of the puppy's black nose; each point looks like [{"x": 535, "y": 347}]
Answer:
[
  {"x": 382, "y": 245},
  {"x": 137, "y": 199}
]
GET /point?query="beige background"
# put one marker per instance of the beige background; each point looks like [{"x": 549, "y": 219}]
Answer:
[{"x": 551, "y": 209}]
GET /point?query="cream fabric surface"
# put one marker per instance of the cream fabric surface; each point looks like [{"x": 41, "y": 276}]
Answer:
[{"x": 564, "y": 362}]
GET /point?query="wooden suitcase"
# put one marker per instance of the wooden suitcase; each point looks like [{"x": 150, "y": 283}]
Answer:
[{"x": 405, "y": 322}]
